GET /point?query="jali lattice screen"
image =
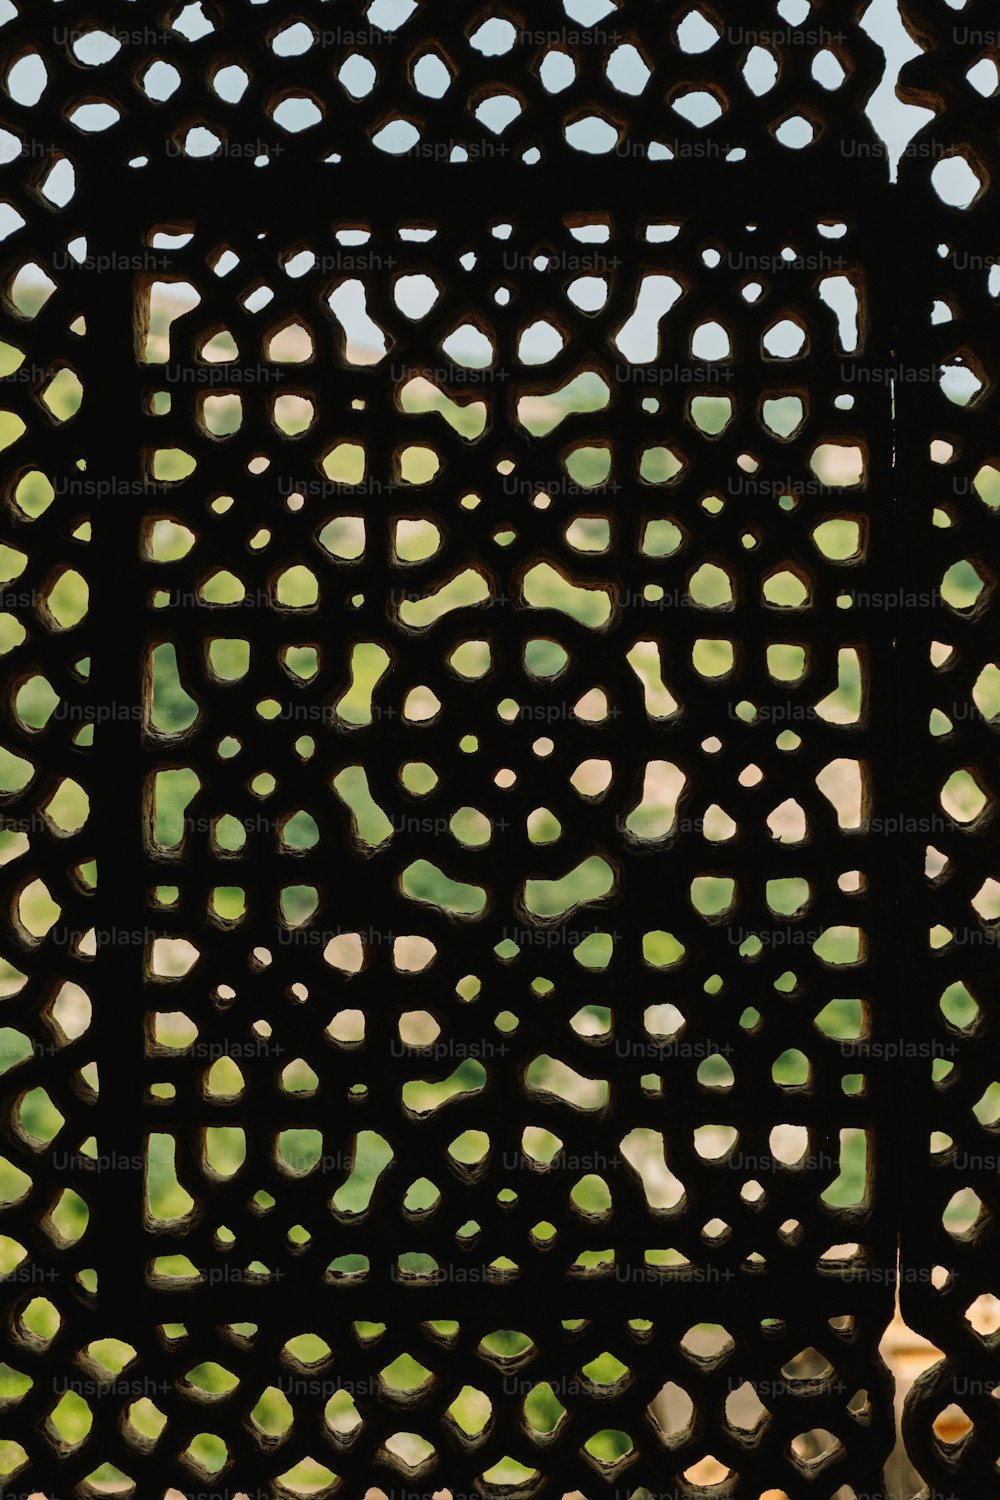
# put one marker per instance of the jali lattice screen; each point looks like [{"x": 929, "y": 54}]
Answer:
[{"x": 497, "y": 759}]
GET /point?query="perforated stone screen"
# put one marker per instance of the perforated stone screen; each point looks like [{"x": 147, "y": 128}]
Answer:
[{"x": 500, "y": 902}]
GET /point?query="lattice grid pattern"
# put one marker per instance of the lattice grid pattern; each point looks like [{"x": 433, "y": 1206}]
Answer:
[{"x": 457, "y": 779}]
